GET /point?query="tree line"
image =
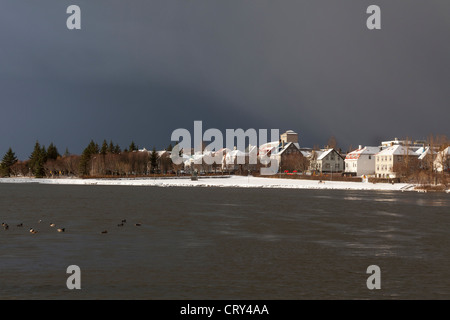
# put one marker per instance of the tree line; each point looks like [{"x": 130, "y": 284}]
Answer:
[
  {"x": 105, "y": 160},
  {"x": 108, "y": 159}
]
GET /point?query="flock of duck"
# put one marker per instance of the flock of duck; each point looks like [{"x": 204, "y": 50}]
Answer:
[
  {"x": 53, "y": 225},
  {"x": 32, "y": 230},
  {"x": 121, "y": 224}
]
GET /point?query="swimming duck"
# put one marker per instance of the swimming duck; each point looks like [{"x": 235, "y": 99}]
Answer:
[
  {"x": 61, "y": 230},
  {"x": 52, "y": 225},
  {"x": 32, "y": 230}
]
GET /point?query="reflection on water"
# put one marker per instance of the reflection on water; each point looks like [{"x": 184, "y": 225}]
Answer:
[
  {"x": 222, "y": 243},
  {"x": 430, "y": 202},
  {"x": 352, "y": 198},
  {"x": 386, "y": 213},
  {"x": 386, "y": 200}
]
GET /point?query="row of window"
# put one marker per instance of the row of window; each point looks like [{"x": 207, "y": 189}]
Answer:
[
  {"x": 386, "y": 158},
  {"x": 384, "y": 168}
]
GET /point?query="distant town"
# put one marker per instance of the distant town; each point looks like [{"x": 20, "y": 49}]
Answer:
[{"x": 396, "y": 160}]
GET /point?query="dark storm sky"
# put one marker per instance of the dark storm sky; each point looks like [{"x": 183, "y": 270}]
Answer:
[{"x": 140, "y": 69}]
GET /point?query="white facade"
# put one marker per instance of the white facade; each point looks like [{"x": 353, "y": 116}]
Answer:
[
  {"x": 442, "y": 162},
  {"x": 385, "y": 160},
  {"x": 361, "y": 161}
]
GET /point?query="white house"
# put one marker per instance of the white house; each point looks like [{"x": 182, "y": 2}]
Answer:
[
  {"x": 232, "y": 159},
  {"x": 442, "y": 161},
  {"x": 386, "y": 160},
  {"x": 361, "y": 161},
  {"x": 326, "y": 161}
]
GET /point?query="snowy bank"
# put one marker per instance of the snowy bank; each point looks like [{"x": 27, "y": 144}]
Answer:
[{"x": 233, "y": 181}]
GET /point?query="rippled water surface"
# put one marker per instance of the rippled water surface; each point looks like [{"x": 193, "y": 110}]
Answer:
[{"x": 222, "y": 243}]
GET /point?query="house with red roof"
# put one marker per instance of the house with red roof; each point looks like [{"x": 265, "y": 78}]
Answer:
[{"x": 361, "y": 162}]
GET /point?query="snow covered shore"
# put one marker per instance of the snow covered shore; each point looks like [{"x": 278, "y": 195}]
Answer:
[{"x": 233, "y": 181}]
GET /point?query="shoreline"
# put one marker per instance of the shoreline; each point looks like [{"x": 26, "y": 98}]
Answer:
[{"x": 229, "y": 182}]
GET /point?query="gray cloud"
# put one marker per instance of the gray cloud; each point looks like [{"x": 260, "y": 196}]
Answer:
[{"x": 140, "y": 70}]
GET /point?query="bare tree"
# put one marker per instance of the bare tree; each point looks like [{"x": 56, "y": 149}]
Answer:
[
  {"x": 71, "y": 164},
  {"x": 20, "y": 168},
  {"x": 332, "y": 142}
]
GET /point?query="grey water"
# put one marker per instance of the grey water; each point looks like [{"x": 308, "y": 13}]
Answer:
[{"x": 222, "y": 243}]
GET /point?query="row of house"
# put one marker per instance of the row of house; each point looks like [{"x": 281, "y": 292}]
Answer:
[
  {"x": 384, "y": 161},
  {"x": 380, "y": 161}
]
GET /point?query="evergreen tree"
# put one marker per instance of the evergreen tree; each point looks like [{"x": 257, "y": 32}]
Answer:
[
  {"x": 154, "y": 159},
  {"x": 92, "y": 148},
  {"x": 86, "y": 156},
  {"x": 111, "y": 147},
  {"x": 37, "y": 160},
  {"x": 66, "y": 153},
  {"x": 169, "y": 148},
  {"x": 132, "y": 147},
  {"x": 8, "y": 160},
  {"x": 52, "y": 152},
  {"x": 117, "y": 149},
  {"x": 44, "y": 155},
  {"x": 104, "y": 149},
  {"x": 84, "y": 163}
]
